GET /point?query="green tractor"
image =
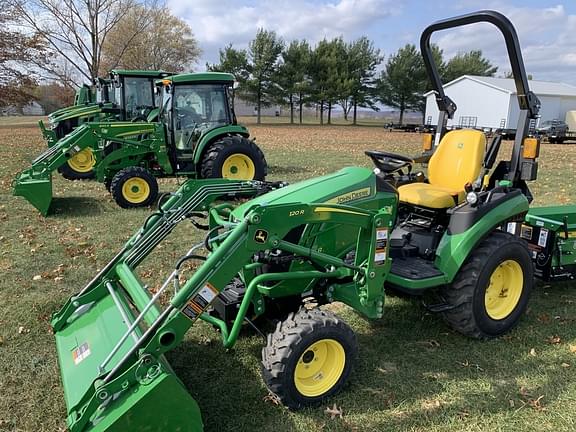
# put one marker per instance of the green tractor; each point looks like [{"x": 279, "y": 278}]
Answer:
[
  {"x": 125, "y": 95},
  {"x": 83, "y": 96},
  {"x": 463, "y": 232},
  {"x": 195, "y": 135}
]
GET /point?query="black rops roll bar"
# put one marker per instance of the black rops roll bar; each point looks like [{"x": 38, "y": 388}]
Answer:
[{"x": 527, "y": 100}]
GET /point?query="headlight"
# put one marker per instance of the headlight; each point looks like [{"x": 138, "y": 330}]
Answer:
[{"x": 472, "y": 198}]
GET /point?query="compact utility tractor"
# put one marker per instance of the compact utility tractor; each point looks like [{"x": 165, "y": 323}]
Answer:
[
  {"x": 124, "y": 95},
  {"x": 349, "y": 237},
  {"x": 196, "y": 135}
]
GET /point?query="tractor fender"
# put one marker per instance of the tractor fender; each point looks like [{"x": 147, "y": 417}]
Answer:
[
  {"x": 471, "y": 226},
  {"x": 212, "y": 135}
]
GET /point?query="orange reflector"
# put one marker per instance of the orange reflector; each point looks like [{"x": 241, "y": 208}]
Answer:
[
  {"x": 531, "y": 148},
  {"x": 427, "y": 142}
]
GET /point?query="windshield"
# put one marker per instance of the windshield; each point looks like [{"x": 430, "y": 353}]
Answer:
[
  {"x": 138, "y": 96},
  {"x": 198, "y": 107}
]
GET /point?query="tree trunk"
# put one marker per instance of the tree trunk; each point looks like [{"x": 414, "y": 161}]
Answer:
[
  {"x": 321, "y": 112},
  {"x": 291, "y": 109},
  {"x": 329, "y": 112},
  {"x": 401, "y": 115},
  {"x": 355, "y": 112},
  {"x": 258, "y": 106},
  {"x": 301, "y": 106}
]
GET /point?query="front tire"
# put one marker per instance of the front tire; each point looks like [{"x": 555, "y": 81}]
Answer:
[
  {"x": 234, "y": 157},
  {"x": 490, "y": 292},
  {"x": 134, "y": 187},
  {"x": 308, "y": 358}
]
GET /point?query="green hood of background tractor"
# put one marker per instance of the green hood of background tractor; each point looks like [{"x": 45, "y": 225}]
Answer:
[
  {"x": 352, "y": 186},
  {"x": 79, "y": 111}
]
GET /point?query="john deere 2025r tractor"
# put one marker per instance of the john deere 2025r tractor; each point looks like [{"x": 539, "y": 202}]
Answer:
[
  {"x": 349, "y": 236},
  {"x": 125, "y": 95},
  {"x": 196, "y": 135}
]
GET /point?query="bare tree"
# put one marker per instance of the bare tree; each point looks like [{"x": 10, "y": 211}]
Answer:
[
  {"x": 169, "y": 43},
  {"x": 76, "y": 30}
]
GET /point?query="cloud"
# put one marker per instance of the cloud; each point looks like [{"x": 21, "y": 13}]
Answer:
[
  {"x": 547, "y": 40},
  {"x": 216, "y": 24}
]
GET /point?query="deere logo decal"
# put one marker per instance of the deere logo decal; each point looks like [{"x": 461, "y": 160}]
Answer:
[
  {"x": 460, "y": 145},
  {"x": 350, "y": 196},
  {"x": 261, "y": 236}
]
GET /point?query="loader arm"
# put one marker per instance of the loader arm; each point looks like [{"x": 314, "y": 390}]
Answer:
[
  {"x": 126, "y": 331},
  {"x": 35, "y": 183}
]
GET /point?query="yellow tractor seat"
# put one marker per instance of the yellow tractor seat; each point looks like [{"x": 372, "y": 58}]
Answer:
[{"x": 456, "y": 162}]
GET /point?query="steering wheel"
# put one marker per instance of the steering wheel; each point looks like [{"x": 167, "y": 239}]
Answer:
[
  {"x": 389, "y": 162},
  {"x": 190, "y": 115}
]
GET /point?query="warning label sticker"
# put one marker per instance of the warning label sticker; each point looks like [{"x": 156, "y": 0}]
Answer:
[
  {"x": 81, "y": 353},
  {"x": 381, "y": 243},
  {"x": 543, "y": 237},
  {"x": 380, "y": 256},
  {"x": 200, "y": 302},
  {"x": 526, "y": 232}
]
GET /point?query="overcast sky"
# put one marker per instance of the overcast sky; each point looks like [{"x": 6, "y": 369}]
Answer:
[{"x": 547, "y": 29}]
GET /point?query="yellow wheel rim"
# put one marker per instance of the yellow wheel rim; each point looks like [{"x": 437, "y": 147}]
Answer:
[
  {"x": 238, "y": 167},
  {"x": 83, "y": 161},
  {"x": 504, "y": 290},
  {"x": 136, "y": 190},
  {"x": 319, "y": 368}
]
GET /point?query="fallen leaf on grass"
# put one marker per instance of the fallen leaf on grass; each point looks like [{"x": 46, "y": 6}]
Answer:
[
  {"x": 467, "y": 364},
  {"x": 1, "y": 341},
  {"x": 37, "y": 277},
  {"x": 553, "y": 340},
  {"x": 565, "y": 365},
  {"x": 533, "y": 352},
  {"x": 543, "y": 318},
  {"x": 271, "y": 398},
  {"x": 334, "y": 412},
  {"x": 430, "y": 405},
  {"x": 536, "y": 404},
  {"x": 23, "y": 330},
  {"x": 573, "y": 349}
]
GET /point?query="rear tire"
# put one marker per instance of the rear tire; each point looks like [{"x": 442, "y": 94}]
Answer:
[
  {"x": 308, "y": 358},
  {"x": 79, "y": 166},
  {"x": 234, "y": 157},
  {"x": 490, "y": 292},
  {"x": 134, "y": 187}
]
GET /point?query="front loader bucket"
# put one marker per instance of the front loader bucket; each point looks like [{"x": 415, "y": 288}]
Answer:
[
  {"x": 146, "y": 395},
  {"x": 38, "y": 191}
]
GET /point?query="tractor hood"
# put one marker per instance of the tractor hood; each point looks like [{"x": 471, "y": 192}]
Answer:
[
  {"x": 79, "y": 111},
  {"x": 349, "y": 186}
]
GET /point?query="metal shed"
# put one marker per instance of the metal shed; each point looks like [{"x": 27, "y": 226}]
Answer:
[{"x": 487, "y": 102}]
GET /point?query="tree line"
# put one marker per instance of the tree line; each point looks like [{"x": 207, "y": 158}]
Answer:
[
  {"x": 50, "y": 47},
  {"x": 337, "y": 73}
]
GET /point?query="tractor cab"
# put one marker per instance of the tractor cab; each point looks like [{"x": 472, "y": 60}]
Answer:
[
  {"x": 132, "y": 93},
  {"x": 192, "y": 107},
  {"x": 83, "y": 95}
]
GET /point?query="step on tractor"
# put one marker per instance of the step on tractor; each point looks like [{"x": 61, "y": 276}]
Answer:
[
  {"x": 196, "y": 135},
  {"x": 463, "y": 232},
  {"x": 124, "y": 95}
]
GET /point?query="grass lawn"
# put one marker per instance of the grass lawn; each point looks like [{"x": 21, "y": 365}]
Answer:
[{"x": 413, "y": 374}]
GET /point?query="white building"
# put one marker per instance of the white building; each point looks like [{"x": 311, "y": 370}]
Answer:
[{"x": 487, "y": 102}]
